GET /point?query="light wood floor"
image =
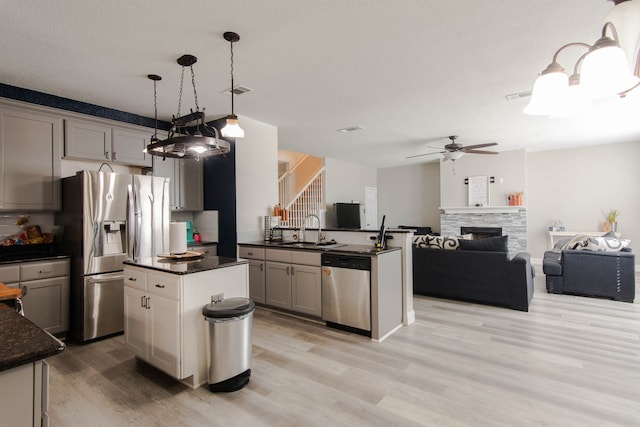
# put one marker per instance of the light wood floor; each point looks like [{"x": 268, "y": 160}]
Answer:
[{"x": 570, "y": 361}]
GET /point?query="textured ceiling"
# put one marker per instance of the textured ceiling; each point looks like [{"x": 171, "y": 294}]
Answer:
[{"x": 410, "y": 72}]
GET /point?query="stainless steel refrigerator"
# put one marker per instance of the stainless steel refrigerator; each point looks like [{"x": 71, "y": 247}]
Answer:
[{"x": 108, "y": 218}]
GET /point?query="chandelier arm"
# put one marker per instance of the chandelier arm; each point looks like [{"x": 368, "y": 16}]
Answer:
[
  {"x": 195, "y": 93},
  {"x": 610, "y": 25},
  {"x": 555, "y": 55}
]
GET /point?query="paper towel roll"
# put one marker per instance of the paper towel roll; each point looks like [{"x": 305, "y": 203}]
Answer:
[{"x": 177, "y": 238}]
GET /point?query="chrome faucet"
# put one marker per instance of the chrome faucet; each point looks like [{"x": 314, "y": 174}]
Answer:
[{"x": 302, "y": 229}]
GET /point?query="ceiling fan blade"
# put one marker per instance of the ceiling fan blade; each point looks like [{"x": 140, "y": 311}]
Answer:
[
  {"x": 473, "y": 147},
  {"x": 480, "y": 152},
  {"x": 425, "y": 154}
]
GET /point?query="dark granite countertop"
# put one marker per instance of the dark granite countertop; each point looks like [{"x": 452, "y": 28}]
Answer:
[
  {"x": 16, "y": 258},
  {"x": 183, "y": 266},
  {"x": 338, "y": 248},
  {"x": 22, "y": 341}
]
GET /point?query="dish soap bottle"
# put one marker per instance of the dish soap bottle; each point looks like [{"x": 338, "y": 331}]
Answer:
[{"x": 196, "y": 236}]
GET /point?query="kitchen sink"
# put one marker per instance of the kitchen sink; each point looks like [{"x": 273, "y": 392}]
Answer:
[{"x": 309, "y": 245}]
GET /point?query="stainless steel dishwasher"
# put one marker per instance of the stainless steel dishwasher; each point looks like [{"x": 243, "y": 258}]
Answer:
[{"x": 346, "y": 292}]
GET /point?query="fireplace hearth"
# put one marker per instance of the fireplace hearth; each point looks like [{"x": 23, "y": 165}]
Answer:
[{"x": 481, "y": 232}]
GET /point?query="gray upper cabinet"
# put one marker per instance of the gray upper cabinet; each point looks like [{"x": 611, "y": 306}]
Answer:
[
  {"x": 88, "y": 140},
  {"x": 30, "y": 162},
  {"x": 186, "y": 188}
]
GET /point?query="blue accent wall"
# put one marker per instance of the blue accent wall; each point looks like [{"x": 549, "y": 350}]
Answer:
[{"x": 33, "y": 97}]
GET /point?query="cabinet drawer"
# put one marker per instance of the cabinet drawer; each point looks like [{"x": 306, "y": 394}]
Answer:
[
  {"x": 251, "y": 252},
  {"x": 278, "y": 255},
  {"x": 164, "y": 286},
  {"x": 43, "y": 270},
  {"x": 306, "y": 258},
  {"x": 135, "y": 279},
  {"x": 10, "y": 274}
]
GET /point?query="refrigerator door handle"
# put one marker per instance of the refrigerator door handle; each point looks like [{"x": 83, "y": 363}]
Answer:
[{"x": 131, "y": 214}]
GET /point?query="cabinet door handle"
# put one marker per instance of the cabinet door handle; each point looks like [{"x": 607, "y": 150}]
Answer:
[
  {"x": 106, "y": 155},
  {"x": 132, "y": 279},
  {"x": 45, "y": 271},
  {"x": 147, "y": 303},
  {"x": 261, "y": 267},
  {"x": 158, "y": 285},
  {"x": 25, "y": 290},
  {"x": 250, "y": 253},
  {"x": 142, "y": 301},
  {"x": 114, "y": 155},
  {"x": 293, "y": 271},
  {"x": 288, "y": 270}
]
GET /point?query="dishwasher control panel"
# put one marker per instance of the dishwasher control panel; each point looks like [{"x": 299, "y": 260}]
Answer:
[{"x": 352, "y": 262}]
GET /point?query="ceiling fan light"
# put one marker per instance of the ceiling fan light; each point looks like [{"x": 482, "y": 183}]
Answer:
[
  {"x": 232, "y": 129},
  {"x": 605, "y": 71},
  {"x": 548, "y": 90}
]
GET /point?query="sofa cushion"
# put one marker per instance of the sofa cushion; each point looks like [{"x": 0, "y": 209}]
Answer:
[
  {"x": 577, "y": 241},
  {"x": 604, "y": 244},
  {"x": 491, "y": 244},
  {"x": 437, "y": 242}
]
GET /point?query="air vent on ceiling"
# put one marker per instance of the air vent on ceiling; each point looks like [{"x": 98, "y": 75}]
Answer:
[
  {"x": 351, "y": 129},
  {"x": 237, "y": 90},
  {"x": 514, "y": 96}
]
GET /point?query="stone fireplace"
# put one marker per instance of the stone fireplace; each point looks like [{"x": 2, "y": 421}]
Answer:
[
  {"x": 511, "y": 220},
  {"x": 481, "y": 232}
]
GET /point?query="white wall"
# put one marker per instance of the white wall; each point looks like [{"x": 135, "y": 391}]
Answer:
[
  {"x": 256, "y": 177},
  {"x": 577, "y": 186},
  {"x": 508, "y": 168},
  {"x": 410, "y": 195},
  {"x": 345, "y": 182}
]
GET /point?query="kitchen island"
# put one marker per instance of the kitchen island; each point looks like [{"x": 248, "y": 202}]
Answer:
[
  {"x": 163, "y": 301},
  {"x": 24, "y": 377},
  {"x": 297, "y": 278}
]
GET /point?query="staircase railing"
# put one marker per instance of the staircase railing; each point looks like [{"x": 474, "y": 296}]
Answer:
[{"x": 308, "y": 201}]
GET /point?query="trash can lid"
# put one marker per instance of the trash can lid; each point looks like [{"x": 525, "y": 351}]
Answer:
[{"x": 229, "y": 307}]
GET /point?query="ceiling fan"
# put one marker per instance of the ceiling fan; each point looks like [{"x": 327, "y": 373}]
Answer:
[{"x": 453, "y": 151}]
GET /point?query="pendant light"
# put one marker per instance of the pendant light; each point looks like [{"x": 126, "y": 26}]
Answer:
[
  {"x": 232, "y": 128},
  {"x": 190, "y": 137}
]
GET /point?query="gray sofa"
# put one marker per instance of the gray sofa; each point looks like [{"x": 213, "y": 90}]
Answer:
[
  {"x": 591, "y": 273},
  {"x": 481, "y": 275}
]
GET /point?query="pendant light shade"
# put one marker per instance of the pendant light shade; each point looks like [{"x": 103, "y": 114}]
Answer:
[
  {"x": 232, "y": 129},
  {"x": 605, "y": 70},
  {"x": 549, "y": 89}
]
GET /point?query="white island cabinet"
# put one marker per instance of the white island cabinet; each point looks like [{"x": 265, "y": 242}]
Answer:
[{"x": 163, "y": 301}]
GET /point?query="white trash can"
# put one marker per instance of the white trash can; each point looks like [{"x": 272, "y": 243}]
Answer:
[{"x": 230, "y": 328}]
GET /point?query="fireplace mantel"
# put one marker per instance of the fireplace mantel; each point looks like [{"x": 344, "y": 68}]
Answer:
[{"x": 481, "y": 209}]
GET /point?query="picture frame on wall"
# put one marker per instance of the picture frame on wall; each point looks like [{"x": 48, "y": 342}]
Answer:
[{"x": 478, "y": 191}]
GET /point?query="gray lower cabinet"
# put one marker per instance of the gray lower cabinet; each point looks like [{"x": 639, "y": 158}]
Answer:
[
  {"x": 306, "y": 289},
  {"x": 257, "y": 281},
  {"x": 293, "y": 281},
  {"x": 257, "y": 269},
  {"x": 278, "y": 285},
  {"x": 24, "y": 395},
  {"x": 45, "y": 291},
  {"x": 30, "y": 160}
]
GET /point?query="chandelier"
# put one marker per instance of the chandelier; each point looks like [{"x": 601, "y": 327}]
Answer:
[
  {"x": 602, "y": 71},
  {"x": 190, "y": 137}
]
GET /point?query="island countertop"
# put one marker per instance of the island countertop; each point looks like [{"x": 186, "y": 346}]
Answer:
[
  {"x": 22, "y": 341},
  {"x": 184, "y": 266}
]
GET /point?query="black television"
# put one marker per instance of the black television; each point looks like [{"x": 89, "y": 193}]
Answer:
[{"x": 348, "y": 215}]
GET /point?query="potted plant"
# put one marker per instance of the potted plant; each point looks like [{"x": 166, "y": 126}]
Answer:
[{"x": 612, "y": 217}]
